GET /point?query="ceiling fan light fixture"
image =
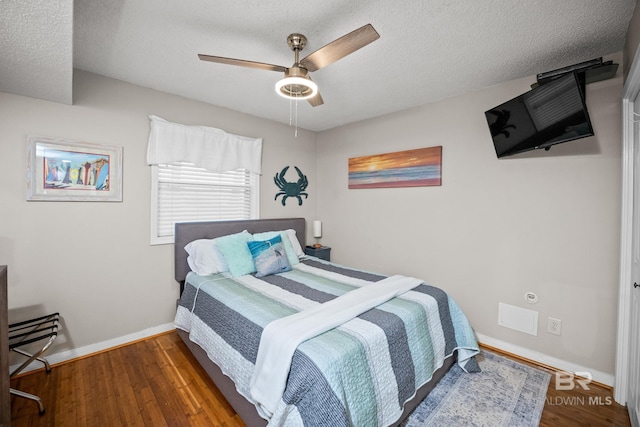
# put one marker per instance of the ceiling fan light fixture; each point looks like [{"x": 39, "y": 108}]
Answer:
[{"x": 293, "y": 87}]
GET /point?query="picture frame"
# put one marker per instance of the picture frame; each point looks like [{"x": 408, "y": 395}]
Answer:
[
  {"x": 421, "y": 167},
  {"x": 63, "y": 170}
]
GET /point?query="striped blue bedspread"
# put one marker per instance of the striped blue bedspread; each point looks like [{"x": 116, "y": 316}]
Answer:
[{"x": 358, "y": 374}]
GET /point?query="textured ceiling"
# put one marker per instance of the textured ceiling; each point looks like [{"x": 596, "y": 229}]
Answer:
[
  {"x": 428, "y": 50},
  {"x": 36, "y": 48}
]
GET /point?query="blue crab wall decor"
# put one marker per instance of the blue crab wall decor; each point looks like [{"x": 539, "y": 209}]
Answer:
[{"x": 291, "y": 189}]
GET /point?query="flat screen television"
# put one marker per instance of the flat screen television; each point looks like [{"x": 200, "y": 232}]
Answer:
[{"x": 550, "y": 114}]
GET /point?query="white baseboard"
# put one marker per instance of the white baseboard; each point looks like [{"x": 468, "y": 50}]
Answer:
[
  {"x": 75, "y": 353},
  {"x": 559, "y": 364}
]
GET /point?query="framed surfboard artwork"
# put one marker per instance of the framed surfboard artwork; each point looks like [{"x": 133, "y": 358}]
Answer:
[{"x": 61, "y": 170}]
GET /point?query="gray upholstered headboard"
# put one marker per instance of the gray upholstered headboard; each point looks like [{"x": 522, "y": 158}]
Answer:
[{"x": 186, "y": 232}]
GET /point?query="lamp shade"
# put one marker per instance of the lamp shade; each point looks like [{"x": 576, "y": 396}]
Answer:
[{"x": 317, "y": 228}]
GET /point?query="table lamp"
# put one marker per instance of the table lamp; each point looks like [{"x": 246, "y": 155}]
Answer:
[{"x": 317, "y": 233}]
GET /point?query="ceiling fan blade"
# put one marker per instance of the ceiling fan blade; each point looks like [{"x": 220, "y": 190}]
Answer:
[
  {"x": 316, "y": 100},
  {"x": 242, "y": 63},
  {"x": 340, "y": 48}
]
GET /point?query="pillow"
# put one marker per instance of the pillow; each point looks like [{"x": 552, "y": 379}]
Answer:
[
  {"x": 295, "y": 244},
  {"x": 288, "y": 248},
  {"x": 269, "y": 256},
  {"x": 236, "y": 253},
  {"x": 205, "y": 258}
]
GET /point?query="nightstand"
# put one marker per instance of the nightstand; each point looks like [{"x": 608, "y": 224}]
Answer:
[{"x": 323, "y": 252}]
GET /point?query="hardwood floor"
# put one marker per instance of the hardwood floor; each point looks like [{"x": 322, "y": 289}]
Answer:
[{"x": 156, "y": 382}]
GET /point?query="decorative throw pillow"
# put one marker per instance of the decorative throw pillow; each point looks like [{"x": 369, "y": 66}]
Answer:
[
  {"x": 236, "y": 254},
  {"x": 269, "y": 256},
  {"x": 288, "y": 248}
]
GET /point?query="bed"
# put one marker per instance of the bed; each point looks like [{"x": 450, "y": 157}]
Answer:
[{"x": 373, "y": 369}]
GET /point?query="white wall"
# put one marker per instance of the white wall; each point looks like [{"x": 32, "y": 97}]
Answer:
[
  {"x": 91, "y": 261},
  {"x": 546, "y": 222}
]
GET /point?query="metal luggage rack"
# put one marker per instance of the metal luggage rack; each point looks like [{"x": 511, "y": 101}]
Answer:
[{"x": 29, "y": 332}]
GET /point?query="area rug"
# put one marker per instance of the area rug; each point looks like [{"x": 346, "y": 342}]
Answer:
[{"x": 505, "y": 393}]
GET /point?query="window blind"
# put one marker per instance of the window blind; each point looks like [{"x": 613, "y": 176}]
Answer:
[{"x": 185, "y": 192}]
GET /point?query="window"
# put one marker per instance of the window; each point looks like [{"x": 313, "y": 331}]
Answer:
[
  {"x": 200, "y": 173},
  {"x": 183, "y": 192}
]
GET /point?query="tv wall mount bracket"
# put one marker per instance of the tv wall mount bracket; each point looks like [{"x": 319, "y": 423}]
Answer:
[{"x": 594, "y": 70}]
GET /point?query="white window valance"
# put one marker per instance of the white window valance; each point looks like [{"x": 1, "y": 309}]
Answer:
[{"x": 206, "y": 147}]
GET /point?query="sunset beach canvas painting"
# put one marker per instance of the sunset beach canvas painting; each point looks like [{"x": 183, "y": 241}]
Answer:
[{"x": 421, "y": 167}]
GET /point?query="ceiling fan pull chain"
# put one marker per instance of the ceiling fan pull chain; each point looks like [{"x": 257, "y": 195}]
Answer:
[
  {"x": 296, "y": 132},
  {"x": 290, "y": 111}
]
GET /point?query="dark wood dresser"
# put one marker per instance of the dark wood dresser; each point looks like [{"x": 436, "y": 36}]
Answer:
[{"x": 5, "y": 400}]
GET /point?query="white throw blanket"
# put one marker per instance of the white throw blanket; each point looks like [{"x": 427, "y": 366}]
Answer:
[{"x": 281, "y": 337}]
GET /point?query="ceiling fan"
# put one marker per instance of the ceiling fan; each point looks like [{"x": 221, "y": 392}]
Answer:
[{"x": 296, "y": 83}]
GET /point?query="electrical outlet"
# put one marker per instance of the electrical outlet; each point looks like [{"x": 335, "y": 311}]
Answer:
[{"x": 554, "y": 326}]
